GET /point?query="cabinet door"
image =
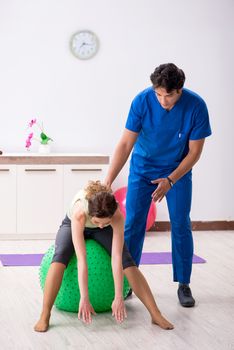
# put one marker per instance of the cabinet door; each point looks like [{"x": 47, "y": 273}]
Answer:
[
  {"x": 7, "y": 199},
  {"x": 39, "y": 198},
  {"x": 77, "y": 176}
]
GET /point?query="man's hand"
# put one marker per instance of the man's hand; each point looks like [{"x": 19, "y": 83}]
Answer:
[
  {"x": 85, "y": 310},
  {"x": 107, "y": 184},
  {"x": 161, "y": 190},
  {"x": 118, "y": 309}
]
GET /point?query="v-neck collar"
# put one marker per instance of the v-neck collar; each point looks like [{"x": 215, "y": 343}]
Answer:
[{"x": 176, "y": 104}]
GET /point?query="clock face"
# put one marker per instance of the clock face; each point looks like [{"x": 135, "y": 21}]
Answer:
[{"x": 84, "y": 44}]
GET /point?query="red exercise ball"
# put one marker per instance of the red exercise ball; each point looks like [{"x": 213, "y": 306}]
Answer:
[{"x": 120, "y": 196}]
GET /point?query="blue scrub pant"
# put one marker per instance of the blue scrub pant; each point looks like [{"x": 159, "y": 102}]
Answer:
[{"x": 179, "y": 204}]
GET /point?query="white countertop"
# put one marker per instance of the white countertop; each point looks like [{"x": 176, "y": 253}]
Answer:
[{"x": 53, "y": 158}]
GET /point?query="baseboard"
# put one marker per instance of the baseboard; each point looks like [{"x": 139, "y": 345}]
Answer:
[
  {"x": 197, "y": 226},
  {"x": 22, "y": 236},
  {"x": 158, "y": 226}
]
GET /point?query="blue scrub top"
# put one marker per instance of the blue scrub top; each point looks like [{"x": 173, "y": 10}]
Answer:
[{"x": 164, "y": 136}]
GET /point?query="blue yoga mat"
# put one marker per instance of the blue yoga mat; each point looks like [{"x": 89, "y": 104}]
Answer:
[{"x": 35, "y": 259}]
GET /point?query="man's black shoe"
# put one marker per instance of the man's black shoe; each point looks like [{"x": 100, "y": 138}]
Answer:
[
  {"x": 129, "y": 294},
  {"x": 185, "y": 295}
]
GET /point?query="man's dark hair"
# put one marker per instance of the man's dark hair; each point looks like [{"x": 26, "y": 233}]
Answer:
[{"x": 168, "y": 77}]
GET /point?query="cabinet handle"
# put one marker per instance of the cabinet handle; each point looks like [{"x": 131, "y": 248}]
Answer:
[
  {"x": 4, "y": 169},
  {"x": 39, "y": 169},
  {"x": 98, "y": 169}
]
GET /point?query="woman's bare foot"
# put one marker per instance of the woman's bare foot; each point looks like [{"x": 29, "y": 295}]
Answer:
[
  {"x": 43, "y": 324},
  {"x": 162, "y": 322}
]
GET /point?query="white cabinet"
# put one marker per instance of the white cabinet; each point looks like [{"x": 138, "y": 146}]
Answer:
[
  {"x": 7, "y": 199},
  {"x": 35, "y": 191},
  {"x": 77, "y": 176},
  {"x": 39, "y": 198}
]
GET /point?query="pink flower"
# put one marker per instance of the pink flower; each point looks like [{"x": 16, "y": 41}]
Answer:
[
  {"x": 43, "y": 138},
  {"x": 28, "y": 141},
  {"x": 33, "y": 121},
  {"x": 28, "y": 144}
]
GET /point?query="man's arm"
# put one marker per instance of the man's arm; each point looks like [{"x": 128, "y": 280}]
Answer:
[
  {"x": 121, "y": 154},
  {"x": 195, "y": 150}
]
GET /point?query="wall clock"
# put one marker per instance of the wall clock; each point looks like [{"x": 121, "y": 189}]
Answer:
[{"x": 84, "y": 44}]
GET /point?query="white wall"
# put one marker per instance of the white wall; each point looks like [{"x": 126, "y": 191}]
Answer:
[{"x": 84, "y": 104}]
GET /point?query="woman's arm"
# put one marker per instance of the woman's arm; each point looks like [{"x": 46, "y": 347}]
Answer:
[
  {"x": 117, "y": 223},
  {"x": 78, "y": 224}
]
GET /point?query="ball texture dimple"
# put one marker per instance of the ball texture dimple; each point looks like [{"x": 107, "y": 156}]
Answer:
[{"x": 100, "y": 279}]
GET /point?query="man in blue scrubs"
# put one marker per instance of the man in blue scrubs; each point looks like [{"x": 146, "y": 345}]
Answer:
[{"x": 166, "y": 129}]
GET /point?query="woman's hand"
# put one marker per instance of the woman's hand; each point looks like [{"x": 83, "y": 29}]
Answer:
[
  {"x": 85, "y": 310},
  {"x": 118, "y": 309},
  {"x": 161, "y": 190}
]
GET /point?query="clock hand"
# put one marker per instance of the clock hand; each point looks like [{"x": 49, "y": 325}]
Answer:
[{"x": 83, "y": 44}]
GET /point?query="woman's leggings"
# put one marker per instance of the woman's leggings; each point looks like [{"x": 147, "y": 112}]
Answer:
[{"x": 64, "y": 248}]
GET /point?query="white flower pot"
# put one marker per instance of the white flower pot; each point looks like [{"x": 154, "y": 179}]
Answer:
[{"x": 44, "y": 149}]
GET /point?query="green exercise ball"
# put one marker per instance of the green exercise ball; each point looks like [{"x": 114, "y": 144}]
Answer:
[{"x": 100, "y": 279}]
